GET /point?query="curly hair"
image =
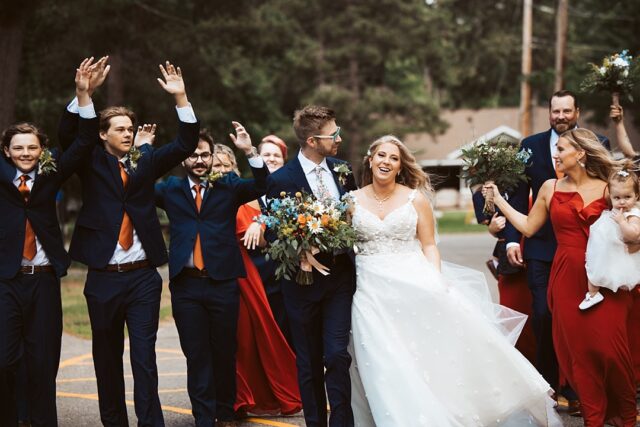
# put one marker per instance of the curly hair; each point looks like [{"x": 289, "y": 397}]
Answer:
[
  {"x": 411, "y": 174},
  {"x": 598, "y": 162},
  {"x": 23, "y": 128}
]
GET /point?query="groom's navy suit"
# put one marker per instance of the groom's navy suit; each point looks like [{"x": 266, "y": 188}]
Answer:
[
  {"x": 132, "y": 296},
  {"x": 30, "y": 305},
  {"x": 320, "y": 317},
  {"x": 205, "y": 302},
  {"x": 539, "y": 249}
]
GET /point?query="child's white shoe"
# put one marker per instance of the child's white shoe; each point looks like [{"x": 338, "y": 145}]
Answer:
[{"x": 590, "y": 300}]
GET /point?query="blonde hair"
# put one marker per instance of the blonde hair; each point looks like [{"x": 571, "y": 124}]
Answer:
[
  {"x": 597, "y": 161},
  {"x": 227, "y": 151},
  {"x": 411, "y": 174},
  {"x": 625, "y": 171}
]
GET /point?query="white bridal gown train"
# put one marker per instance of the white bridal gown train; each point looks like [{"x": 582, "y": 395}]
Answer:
[{"x": 431, "y": 349}]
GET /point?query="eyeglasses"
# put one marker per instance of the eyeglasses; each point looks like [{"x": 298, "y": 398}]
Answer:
[
  {"x": 334, "y": 136},
  {"x": 204, "y": 156}
]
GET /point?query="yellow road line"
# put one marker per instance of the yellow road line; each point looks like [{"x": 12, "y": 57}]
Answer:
[{"x": 174, "y": 409}]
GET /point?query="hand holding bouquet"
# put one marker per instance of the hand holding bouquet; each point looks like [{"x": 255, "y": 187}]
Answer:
[
  {"x": 495, "y": 161},
  {"x": 305, "y": 226},
  {"x": 616, "y": 75}
]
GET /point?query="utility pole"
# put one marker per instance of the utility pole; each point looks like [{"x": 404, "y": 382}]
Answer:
[
  {"x": 561, "y": 42},
  {"x": 525, "y": 85}
]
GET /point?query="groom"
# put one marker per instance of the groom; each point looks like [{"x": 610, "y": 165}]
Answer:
[{"x": 319, "y": 314}]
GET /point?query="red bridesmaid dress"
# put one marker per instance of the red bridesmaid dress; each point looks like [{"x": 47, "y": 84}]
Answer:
[
  {"x": 265, "y": 364},
  {"x": 515, "y": 294},
  {"x": 593, "y": 345}
]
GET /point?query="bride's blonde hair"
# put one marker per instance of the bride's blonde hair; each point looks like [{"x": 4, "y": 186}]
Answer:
[{"x": 411, "y": 174}]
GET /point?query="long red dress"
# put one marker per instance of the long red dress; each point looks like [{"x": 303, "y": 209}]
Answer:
[
  {"x": 266, "y": 372},
  {"x": 634, "y": 332},
  {"x": 515, "y": 294},
  {"x": 593, "y": 345}
]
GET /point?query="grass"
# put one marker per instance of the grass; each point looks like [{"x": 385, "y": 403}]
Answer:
[
  {"x": 74, "y": 306},
  {"x": 459, "y": 222}
]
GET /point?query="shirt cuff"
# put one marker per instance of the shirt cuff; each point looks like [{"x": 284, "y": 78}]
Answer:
[
  {"x": 512, "y": 244},
  {"x": 186, "y": 114},
  {"x": 256, "y": 162},
  {"x": 73, "y": 106},
  {"x": 87, "y": 112}
]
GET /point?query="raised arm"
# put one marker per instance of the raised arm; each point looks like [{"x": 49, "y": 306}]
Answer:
[
  {"x": 170, "y": 155},
  {"x": 624, "y": 143},
  {"x": 68, "y": 126},
  {"x": 526, "y": 224},
  {"x": 248, "y": 189}
]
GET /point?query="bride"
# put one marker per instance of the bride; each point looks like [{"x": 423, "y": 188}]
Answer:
[{"x": 429, "y": 347}]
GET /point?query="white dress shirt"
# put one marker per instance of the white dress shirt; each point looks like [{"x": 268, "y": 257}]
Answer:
[
  {"x": 41, "y": 256},
  {"x": 327, "y": 177},
  {"x": 203, "y": 188}
]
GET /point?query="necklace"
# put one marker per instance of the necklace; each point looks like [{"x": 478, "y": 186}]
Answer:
[{"x": 381, "y": 200}]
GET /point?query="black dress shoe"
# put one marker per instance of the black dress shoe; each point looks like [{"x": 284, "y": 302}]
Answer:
[{"x": 574, "y": 408}]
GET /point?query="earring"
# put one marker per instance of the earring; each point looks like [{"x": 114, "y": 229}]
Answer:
[
  {"x": 581, "y": 164},
  {"x": 369, "y": 165}
]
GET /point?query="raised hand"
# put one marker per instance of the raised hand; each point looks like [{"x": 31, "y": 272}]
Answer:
[
  {"x": 146, "y": 135},
  {"x": 99, "y": 73},
  {"x": 173, "y": 83},
  {"x": 253, "y": 236},
  {"x": 241, "y": 139},
  {"x": 83, "y": 76}
]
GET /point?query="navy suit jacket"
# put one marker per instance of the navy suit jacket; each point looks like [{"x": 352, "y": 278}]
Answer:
[
  {"x": 216, "y": 221},
  {"x": 104, "y": 199},
  {"x": 40, "y": 209},
  {"x": 542, "y": 245}
]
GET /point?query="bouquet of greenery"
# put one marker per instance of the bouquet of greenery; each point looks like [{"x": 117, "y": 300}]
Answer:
[
  {"x": 617, "y": 75},
  {"x": 495, "y": 161},
  {"x": 305, "y": 226}
]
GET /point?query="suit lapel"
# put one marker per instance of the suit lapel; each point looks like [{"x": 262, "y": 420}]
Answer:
[
  {"x": 114, "y": 169},
  {"x": 189, "y": 195},
  {"x": 546, "y": 152},
  {"x": 336, "y": 178},
  {"x": 297, "y": 176}
]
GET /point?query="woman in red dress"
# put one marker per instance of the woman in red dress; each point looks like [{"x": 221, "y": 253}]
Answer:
[
  {"x": 592, "y": 346},
  {"x": 266, "y": 375}
]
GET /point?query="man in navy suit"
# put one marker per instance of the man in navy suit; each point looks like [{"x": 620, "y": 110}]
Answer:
[
  {"x": 33, "y": 259},
  {"x": 319, "y": 314},
  {"x": 118, "y": 236},
  {"x": 540, "y": 248},
  {"x": 204, "y": 265}
]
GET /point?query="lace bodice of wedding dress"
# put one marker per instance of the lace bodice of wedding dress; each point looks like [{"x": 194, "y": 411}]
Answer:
[{"x": 396, "y": 233}]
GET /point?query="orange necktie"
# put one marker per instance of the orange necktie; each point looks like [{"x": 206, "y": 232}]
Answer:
[
  {"x": 198, "y": 260},
  {"x": 125, "y": 238},
  {"x": 29, "y": 250}
]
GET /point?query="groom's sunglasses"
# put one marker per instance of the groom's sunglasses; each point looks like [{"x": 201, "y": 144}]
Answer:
[{"x": 334, "y": 136}]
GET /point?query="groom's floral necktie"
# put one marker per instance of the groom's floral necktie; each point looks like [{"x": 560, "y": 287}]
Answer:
[{"x": 322, "y": 192}]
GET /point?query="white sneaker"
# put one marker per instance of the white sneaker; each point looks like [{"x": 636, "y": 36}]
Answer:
[{"x": 591, "y": 300}]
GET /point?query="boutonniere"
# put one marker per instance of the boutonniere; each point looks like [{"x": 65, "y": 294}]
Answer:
[
  {"x": 343, "y": 172},
  {"x": 212, "y": 177},
  {"x": 133, "y": 156},
  {"x": 46, "y": 163}
]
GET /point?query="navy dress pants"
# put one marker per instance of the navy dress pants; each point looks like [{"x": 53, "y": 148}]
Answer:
[
  {"x": 115, "y": 299},
  {"x": 206, "y": 315},
  {"x": 320, "y": 321},
  {"x": 30, "y": 328}
]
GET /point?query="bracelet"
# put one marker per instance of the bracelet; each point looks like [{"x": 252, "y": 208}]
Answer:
[{"x": 253, "y": 153}]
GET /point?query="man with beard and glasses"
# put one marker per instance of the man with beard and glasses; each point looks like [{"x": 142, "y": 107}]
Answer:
[
  {"x": 204, "y": 265},
  {"x": 539, "y": 249}
]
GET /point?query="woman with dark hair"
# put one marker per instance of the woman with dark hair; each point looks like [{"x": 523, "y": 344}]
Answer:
[{"x": 592, "y": 346}]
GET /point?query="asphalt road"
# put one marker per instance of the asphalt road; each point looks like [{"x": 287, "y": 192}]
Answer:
[{"x": 77, "y": 395}]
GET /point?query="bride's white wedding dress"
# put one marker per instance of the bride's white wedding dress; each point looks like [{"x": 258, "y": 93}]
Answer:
[{"x": 429, "y": 348}]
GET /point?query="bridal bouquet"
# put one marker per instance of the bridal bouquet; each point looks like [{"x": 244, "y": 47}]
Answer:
[
  {"x": 616, "y": 74},
  {"x": 305, "y": 226},
  {"x": 495, "y": 161}
]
